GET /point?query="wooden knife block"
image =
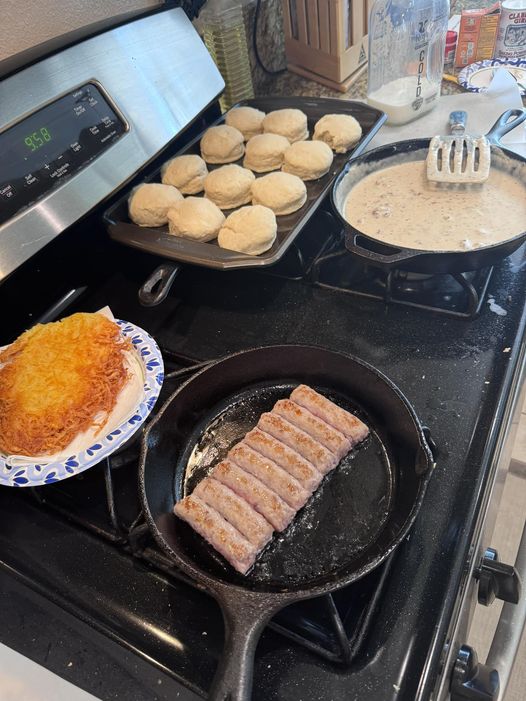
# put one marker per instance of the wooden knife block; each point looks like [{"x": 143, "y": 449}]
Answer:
[{"x": 326, "y": 40}]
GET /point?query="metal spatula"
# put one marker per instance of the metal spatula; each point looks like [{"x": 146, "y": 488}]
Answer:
[{"x": 458, "y": 158}]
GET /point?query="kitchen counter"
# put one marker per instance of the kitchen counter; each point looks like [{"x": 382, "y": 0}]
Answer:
[
  {"x": 272, "y": 51},
  {"x": 288, "y": 83},
  {"x": 271, "y": 44}
]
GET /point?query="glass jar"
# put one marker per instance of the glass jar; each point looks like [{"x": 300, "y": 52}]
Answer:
[
  {"x": 406, "y": 56},
  {"x": 222, "y": 26}
]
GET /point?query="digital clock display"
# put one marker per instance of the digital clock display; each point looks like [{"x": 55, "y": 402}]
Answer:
[
  {"x": 42, "y": 151},
  {"x": 37, "y": 139}
]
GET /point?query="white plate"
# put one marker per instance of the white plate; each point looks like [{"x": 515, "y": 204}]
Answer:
[
  {"x": 477, "y": 76},
  {"x": 35, "y": 474}
]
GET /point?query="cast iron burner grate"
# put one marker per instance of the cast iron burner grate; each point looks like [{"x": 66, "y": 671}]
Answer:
[
  {"x": 318, "y": 236},
  {"x": 458, "y": 295},
  {"x": 105, "y": 501}
]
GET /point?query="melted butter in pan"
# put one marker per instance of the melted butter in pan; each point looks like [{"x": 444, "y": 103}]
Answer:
[{"x": 399, "y": 206}]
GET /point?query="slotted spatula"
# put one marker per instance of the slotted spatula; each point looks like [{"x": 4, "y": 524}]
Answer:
[
  {"x": 443, "y": 149},
  {"x": 458, "y": 158}
]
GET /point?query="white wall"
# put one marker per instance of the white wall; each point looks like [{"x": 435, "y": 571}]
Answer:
[{"x": 25, "y": 23}]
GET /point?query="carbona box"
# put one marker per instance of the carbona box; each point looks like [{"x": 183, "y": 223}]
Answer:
[{"x": 477, "y": 35}]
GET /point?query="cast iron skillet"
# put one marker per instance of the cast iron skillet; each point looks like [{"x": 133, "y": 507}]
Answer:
[
  {"x": 354, "y": 521},
  {"x": 376, "y": 252}
]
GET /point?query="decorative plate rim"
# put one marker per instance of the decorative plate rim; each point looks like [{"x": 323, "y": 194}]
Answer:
[
  {"x": 35, "y": 474},
  {"x": 464, "y": 77}
]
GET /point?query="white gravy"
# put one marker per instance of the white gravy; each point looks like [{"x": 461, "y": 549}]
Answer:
[{"x": 399, "y": 206}]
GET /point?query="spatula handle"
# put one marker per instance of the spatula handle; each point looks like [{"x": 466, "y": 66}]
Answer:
[{"x": 457, "y": 122}]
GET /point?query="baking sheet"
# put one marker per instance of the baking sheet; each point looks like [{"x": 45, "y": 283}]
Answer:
[{"x": 159, "y": 242}]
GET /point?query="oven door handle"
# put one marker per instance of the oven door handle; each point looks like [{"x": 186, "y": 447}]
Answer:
[{"x": 509, "y": 629}]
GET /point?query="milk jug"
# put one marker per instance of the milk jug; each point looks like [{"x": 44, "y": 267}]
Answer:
[{"x": 406, "y": 56}]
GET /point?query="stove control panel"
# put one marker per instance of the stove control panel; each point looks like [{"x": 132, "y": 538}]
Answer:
[
  {"x": 42, "y": 151},
  {"x": 81, "y": 122}
]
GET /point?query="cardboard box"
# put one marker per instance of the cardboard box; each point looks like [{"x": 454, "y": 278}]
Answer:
[{"x": 477, "y": 35}]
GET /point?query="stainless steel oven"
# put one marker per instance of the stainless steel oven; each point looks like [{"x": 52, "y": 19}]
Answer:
[{"x": 77, "y": 561}]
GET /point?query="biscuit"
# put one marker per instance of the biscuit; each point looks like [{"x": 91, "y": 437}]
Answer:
[
  {"x": 149, "y": 203},
  {"x": 265, "y": 152},
  {"x": 309, "y": 160},
  {"x": 229, "y": 186},
  {"x": 281, "y": 192},
  {"x": 222, "y": 144},
  {"x": 249, "y": 230},
  {"x": 186, "y": 173},
  {"x": 290, "y": 123},
  {"x": 247, "y": 120},
  {"x": 195, "y": 218},
  {"x": 339, "y": 131}
]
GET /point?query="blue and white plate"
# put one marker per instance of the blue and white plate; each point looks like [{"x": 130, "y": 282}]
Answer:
[
  {"x": 35, "y": 475},
  {"x": 477, "y": 76}
]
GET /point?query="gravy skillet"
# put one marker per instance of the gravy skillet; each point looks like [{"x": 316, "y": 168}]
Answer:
[{"x": 430, "y": 256}]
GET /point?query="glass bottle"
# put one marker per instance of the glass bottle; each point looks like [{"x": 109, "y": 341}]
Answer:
[
  {"x": 222, "y": 27},
  {"x": 406, "y": 56}
]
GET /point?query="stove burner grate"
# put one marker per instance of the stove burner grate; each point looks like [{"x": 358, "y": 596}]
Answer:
[
  {"x": 318, "y": 236},
  {"x": 458, "y": 295},
  {"x": 105, "y": 501}
]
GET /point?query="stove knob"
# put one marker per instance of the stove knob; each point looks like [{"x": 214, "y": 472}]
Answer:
[
  {"x": 471, "y": 680},
  {"x": 497, "y": 580}
]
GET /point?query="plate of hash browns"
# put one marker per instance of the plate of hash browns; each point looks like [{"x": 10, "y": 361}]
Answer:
[{"x": 71, "y": 393}]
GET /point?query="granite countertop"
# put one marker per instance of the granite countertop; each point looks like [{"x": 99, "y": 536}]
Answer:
[
  {"x": 292, "y": 84},
  {"x": 271, "y": 48}
]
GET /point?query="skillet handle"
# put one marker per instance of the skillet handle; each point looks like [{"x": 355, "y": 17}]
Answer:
[
  {"x": 502, "y": 126},
  {"x": 155, "y": 289},
  {"x": 244, "y": 616},
  {"x": 378, "y": 254}
]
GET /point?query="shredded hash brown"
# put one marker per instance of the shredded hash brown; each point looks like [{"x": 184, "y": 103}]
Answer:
[{"x": 57, "y": 380}]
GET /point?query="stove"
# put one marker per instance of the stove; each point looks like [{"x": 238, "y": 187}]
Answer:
[{"x": 87, "y": 593}]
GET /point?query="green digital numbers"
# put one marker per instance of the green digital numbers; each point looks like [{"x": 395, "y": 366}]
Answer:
[{"x": 38, "y": 138}]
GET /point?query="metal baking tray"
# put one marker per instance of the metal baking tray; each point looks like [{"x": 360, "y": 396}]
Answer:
[{"x": 159, "y": 242}]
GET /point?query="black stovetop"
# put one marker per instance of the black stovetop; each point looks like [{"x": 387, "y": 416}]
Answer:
[{"x": 456, "y": 372}]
